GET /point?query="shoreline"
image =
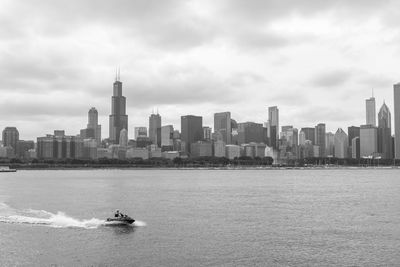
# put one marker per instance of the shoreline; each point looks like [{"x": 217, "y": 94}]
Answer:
[{"x": 69, "y": 167}]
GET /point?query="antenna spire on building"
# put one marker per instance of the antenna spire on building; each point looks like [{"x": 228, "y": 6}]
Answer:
[
  {"x": 119, "y": 75},
  {"x": 372, "y": 92}
]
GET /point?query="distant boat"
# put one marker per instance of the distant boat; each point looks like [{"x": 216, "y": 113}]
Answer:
[{"x": 7, "y": 169}]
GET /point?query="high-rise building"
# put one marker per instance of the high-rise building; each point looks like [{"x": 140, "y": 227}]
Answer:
[
  {"x": 155, "y": 128},
  {"x": 308, "y": 149},
  {"x": 273, "y": 121},
  {"x": 290, "y": 135},
  {"x": 330, "y": 144},
  {"x": 118, "y": 117},
  {"x": 140, "y": 132},
  {"x": 59, "y": 147},
  {"x": 309, "y": 134},
  {"x": 87, "y": 133},
  {"x": 191, "y": 130},
  {"x": 396, "y": 91},
  {"x": 302, "y": 138},
  {"x": 167, "y": 138},
  {"x": 10, "y": 137},
  {"x": 201, "y": 149},
  {"x": 368, "y": 140},
  {"x": 222, "y": 124},
  {"x": 355, "y": 147},
  {"x": 320, "y": 138},
  {"x": 341, "y": 144},
  {"x": 90, "y": 148},
  {"x": 250, "y": 132},
  {"x": 353, "y": 132},
  {"x": 370, "y": 111},
  {"x": 23, "y": 147},
  {"x": 219, "y": 149},
  {"x": 207, "y": 135},
  {"x": 93, "y": 124},
  {"x": 385, "y": 133},
  {"x": 123, "y": 138}
]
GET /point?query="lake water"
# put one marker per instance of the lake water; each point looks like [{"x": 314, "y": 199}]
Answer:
[{"x": 201, "y": 218}]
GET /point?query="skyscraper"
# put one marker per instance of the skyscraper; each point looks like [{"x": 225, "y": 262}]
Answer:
[
  {"x": 320, "y": 138},
  {"x": 341, "y": 144},
  {"x": 155, "y": 129},
  {"x": 309, "y": 134},
  {"x": 140, "y": 132},
  {"x": 355, "y": 148},
  {"x": 302, "y": 138},
  {"x": 207, "y": 135},
  {"x": 353, "y": 132},
  {"x": 222, "y": 124},
  {"x": 250, "y": 132},
  {"x": 118, "y": 117},
  {"x": 370, "y": 111},
  {"x": 273, "y": 121},
  {"x": 368, "y": 140},
  {"x": 10, "y": 137},
  {"x": 167, "y": 138},
  {"x": 330, "y": 144},
  {"x": 385, "y": 132},
  {"x": 396, "y": 91},
  {"x": 191, "y": 130},
  {"x": 123, "y": 138},
  {"x": 93, "y": 124}
]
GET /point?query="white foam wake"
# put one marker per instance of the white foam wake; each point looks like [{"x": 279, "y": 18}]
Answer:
[
  {"x": 139, "y": 223},
  {"x": 42, "y": 217}
]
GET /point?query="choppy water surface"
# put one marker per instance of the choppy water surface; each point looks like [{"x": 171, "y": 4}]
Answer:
[{"x": 201, "y": 218}]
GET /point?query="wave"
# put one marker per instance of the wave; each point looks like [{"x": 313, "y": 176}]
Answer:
[{"x": 56, "y": 220}]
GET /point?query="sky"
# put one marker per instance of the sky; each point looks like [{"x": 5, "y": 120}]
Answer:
[{"x": 316, "y": 60}]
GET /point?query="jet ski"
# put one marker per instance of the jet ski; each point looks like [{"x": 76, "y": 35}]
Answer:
[{"x": 121, "y": 220}]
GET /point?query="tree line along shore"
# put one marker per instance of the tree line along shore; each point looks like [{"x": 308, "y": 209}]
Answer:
[{"x": 206, "y": 162}]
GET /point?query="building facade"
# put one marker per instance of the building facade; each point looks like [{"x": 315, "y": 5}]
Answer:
[
  {"x": 330, "y": 144},
  {"x": 222, "y": 124},
  {"x": 370, "y": 111},
  {"x": 396, "y": 92},
  {"x": 341, "y": 144},
  {"x": 191, "y": 130},
  {"x": 140, "y": 132},
  {"x": 309, "y": 134},
  {"x": 320, "y": 138},
  {"x": 10, "y": 137},
  {"x": 273, "y": 122},
  {"x": 385, "y": 133},
  {"x": 93, "y": 119},
  {"x": 167, "y": 138},
  {"x": 250, "y": 132},
  {"x": 155, "y": 129},
  {"x": 368, "y": 140}
]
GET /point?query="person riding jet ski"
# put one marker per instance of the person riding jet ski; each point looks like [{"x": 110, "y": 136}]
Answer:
[
  {"x": 121, "y": 218},
  {"x": 118, "y": 214}
]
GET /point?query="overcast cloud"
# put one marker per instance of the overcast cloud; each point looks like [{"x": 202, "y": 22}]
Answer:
[{"x": 316, "y": 60}]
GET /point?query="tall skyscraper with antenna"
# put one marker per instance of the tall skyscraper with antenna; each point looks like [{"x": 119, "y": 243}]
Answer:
[
  {"x": 155, "y": 128},
  {"x": 370, "y": 110},
  {"x": 118, "y": 117}
]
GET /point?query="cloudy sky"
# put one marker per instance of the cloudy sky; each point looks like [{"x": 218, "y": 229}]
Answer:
[{"x": 316, "y": 60}]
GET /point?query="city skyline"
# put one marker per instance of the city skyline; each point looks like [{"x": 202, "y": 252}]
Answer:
[
  {"x": 199, "y": 58},
  {"x": 118, "y": 106}
]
